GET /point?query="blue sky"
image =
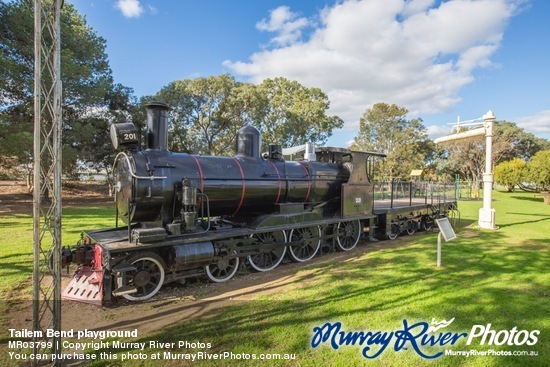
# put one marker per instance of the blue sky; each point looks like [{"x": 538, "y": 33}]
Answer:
[{"x": 439, "y": 59}]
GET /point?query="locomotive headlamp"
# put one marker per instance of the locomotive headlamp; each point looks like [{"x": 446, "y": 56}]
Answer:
[{"x": 124, "y": 135}]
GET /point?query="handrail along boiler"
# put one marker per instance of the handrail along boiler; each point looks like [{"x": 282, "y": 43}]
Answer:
[{"x": 190, "y": 215}]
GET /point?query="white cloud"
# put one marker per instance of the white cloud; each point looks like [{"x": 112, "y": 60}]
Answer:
[
  {"x": 285, "y": 23},
  {"x": 412, "y": 53},
  {"x": 416, "y": 6},
  {"x": 539, "y": 123},
  {"x": 130, "y": 8}
]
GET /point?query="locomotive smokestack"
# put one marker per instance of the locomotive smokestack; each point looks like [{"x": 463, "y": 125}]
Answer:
[{"x": 157, "y": 125}]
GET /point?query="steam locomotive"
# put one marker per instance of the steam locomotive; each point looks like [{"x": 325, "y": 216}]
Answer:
[{"x": 190, "y": 215}]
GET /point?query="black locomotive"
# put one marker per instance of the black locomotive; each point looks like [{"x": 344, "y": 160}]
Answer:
[{"x": 190, "y": 215}]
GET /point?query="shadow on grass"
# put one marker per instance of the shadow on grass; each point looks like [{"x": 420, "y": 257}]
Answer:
[
  {"x": 15, "y": 255},
  {"x": 524, "y": 222},
  {"x": 463, "y": 224},
  {"x": 529, "y": 198},
  {"x": 482, "y": 281},
  {"x": 20, "y": 265}
]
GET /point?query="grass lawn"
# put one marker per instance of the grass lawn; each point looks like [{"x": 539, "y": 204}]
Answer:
[
  {"x": 487, "y": 277},
  {"x": 16, "y": 240},
  {"x": 16, "y": 248}
]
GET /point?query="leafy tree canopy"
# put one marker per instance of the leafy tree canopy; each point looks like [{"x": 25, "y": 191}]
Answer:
[
  {"x": 204, "y": 113},
  {"x": 207, "y": 113},
  {"x": 384, "y": 128},
  {"x": 90, "y": 99},
  {"x": 295, "y": 114},
  {"x": 539, "y": 170},
  {"x": 510, "y": 173}
]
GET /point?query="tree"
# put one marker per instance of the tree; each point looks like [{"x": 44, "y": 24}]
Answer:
[
  {"x": 90, "y": 99},
  {"x": 207, "y": 113},
  {"x": 510, "y": 173},
  {"x": 90, "y": 136},
  {"x": 213, "y": 126},
  {"x": 204, "y": 116},
  {"x": 295, "y": 114},
  {"x": 383, "y": 128},
  {"x": 511, "y": 141},
  {"x": 464, "y": 157},
  {"x": 539, "y": 170}
]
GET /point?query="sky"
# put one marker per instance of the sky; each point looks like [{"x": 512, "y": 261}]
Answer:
[{"x": 442, "y": 60}]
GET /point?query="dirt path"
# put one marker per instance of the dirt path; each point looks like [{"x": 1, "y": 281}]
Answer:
[{"x": 177, "y": 303}]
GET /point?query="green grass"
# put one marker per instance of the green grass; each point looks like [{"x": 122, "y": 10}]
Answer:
[
  {"x": 16, "y": 240},
  {"x": 16, "y": 249},
  {"x": 497, "y": 277}
]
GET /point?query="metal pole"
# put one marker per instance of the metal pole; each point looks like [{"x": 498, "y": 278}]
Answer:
[
  {"x": 36, "y": 178},
  {"x": 487, "y": 214},
  {"x": 439, "y": 249},
  {"x": 391, "y": 194},
  {"x": 57, "y": 152},
  {"x": 426, "y": 187}
]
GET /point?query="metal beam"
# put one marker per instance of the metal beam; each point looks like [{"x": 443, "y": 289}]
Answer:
[{"x": 461, "y": 135}]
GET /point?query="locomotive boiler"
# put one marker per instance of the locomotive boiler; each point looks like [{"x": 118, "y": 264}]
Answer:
[
  {"x": 190, "y": 215},
  {"x": 152, "y": 183}
]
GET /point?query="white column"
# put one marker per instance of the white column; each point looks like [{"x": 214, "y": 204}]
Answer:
[{"x": 487, "y": 213}]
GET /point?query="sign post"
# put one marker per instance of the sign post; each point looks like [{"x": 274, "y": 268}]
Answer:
[{"x": 448, "y": 233}]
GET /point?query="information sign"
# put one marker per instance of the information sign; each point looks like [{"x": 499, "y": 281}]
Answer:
[
  {"x": 448, "y": 233},
  {"x": 446, "y": 229}
]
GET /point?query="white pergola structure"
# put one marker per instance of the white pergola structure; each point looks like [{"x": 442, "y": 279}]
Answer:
[{"x": 486, "y": 213}]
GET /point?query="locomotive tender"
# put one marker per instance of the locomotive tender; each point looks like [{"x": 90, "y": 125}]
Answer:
[{"x": 191, "y": 215}]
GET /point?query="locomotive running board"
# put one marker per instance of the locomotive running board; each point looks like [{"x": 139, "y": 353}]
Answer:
[{"x": 86, "y": 286}]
